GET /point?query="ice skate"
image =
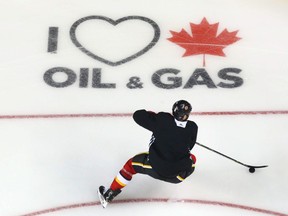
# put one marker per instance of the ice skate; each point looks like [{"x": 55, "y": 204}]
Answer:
[{"x": 106, "y": 197}]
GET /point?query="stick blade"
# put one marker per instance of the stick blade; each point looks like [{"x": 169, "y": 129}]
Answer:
[{"x": 256, "y": 167}]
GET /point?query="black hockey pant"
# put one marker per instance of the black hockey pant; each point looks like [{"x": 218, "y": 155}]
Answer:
[{"x": 141, "y": 164}]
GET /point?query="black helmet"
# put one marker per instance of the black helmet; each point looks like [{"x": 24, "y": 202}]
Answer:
[{"x": 181, "y": 110}]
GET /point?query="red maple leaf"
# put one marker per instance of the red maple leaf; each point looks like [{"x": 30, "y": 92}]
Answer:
[{"x": 204, "y": 39}]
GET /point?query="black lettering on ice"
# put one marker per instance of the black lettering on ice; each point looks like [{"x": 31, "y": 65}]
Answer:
[
  {"x": 174, "y": 81},
  {"x": 224, "y": 74},
  {"x": 48, "y": 77},
  {"x": 52, "y": 39},
  {"x": 134, "y": 83},
  {"x": 84, "y": 77},
  {"x": 96, "y": 80},
  {"x": 205, "y": 79}
]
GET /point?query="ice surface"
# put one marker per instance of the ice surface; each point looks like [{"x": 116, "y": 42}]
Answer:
[
  {"x": 46, "y": 163},
  {"x": 54, "y": 165}
]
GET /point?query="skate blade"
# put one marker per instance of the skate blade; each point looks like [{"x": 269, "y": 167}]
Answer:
[{"x": 103, "y": 202}]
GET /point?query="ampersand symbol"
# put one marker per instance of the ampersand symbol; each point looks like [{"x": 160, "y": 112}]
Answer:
[{"x": 134, "y": 82}]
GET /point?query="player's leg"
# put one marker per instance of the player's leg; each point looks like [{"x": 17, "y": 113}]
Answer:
[
  {"x": 124, "y": 176},
  {"x": 120, "y": 181},
  {"x": 141, "y": 164}
]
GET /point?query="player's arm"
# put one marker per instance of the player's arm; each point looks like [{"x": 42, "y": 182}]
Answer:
[
  {"x": 146, "y": 119},
  {"x": 193, "y": 137}
]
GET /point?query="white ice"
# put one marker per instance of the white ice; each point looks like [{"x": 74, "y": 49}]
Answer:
[{"x": 46, "y": 163}]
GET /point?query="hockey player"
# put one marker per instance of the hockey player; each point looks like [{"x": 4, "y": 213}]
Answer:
[{"x": 169, "y": 158}]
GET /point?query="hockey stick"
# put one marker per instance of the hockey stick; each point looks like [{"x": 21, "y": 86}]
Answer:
[{"x": 251, "y": 168}]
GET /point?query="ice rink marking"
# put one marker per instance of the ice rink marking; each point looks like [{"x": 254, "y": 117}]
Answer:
[
  {"x": 103, "y": 115},
  {"x": 159, "y": 200}
]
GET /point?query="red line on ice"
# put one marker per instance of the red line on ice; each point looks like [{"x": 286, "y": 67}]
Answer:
[
  {"x": 155, "y": 200},
  {"x": 103, "y": 115}
]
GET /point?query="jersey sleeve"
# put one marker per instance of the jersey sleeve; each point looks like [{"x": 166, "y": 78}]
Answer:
[
  {"x": 194, "y": 133},
  {"x": 145, "y": 119}
]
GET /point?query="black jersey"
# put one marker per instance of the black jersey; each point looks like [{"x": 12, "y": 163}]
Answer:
[{"x": 169, "y": 152}]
